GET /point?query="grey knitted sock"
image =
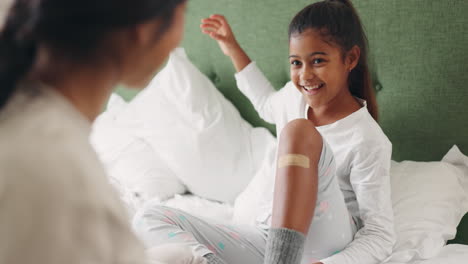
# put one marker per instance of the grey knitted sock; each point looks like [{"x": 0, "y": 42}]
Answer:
[
  {"x": 284, "y": 246},
  {"x": 213, "y": 259}
]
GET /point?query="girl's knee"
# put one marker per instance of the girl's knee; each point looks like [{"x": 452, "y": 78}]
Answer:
[{"x": 300, "y": 133}]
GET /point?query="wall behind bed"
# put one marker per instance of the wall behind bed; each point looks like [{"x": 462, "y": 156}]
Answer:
[{"x": 418, "y": 58}]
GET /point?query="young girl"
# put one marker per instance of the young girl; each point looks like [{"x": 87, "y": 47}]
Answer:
[
  {"x": 331, "y": 199},
  {"x": 59, "y": 61}
]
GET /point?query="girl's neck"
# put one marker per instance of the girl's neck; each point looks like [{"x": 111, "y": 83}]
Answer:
[
  {"x": 86, "y": 87},
  {"x": 338, "y": 108}
]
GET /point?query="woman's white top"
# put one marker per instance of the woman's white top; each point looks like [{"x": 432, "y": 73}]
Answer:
[
  {"x": 56, "y": 205},
  {"x": 362, "y": 155}
]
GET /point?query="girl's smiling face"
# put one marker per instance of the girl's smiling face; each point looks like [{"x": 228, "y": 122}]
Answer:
[{"x": 318, "y": 69}]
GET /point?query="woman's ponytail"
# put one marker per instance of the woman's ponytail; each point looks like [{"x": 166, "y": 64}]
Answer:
[{"x": 17, "y": 50}]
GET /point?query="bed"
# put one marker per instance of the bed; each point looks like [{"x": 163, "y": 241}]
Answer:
[{"x": 418, "y": 62}]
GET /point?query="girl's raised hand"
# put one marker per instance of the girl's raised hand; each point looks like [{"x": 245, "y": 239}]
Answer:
[{"x": 217, "y": 27}]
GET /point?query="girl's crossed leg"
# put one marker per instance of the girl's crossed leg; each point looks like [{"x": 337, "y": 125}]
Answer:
[{"x": 158, "y": 225}]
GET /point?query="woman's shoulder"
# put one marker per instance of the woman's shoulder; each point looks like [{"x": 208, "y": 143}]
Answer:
[
  {"x": 62, "y": 173},
  {"x": 40, "y": 117},
  {"x": 58, "y": 184},
  {"x": 41, "y": 158},
  {"x": 42, "y": 144}
]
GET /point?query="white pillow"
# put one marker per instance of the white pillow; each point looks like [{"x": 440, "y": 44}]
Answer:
[
  {"x": 428, "y": 202},
  {"x": 133, "y": 167},
  {"x": 458, "y": 159},
  {"x": 250, "y": 201},
  {"x": 197, "y": 132}
]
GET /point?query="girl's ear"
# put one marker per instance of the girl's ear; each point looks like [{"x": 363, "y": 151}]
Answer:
[{"x": 352, "y": 58}]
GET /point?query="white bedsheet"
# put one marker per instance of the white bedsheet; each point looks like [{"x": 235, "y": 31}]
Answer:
[{"x": 450, "y": 254}]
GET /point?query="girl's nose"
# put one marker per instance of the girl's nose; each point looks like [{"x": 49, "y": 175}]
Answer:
[{"x": 307, "y": 74}]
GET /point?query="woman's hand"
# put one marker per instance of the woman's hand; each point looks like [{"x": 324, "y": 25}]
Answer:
[{"x": 217, "y": 27}]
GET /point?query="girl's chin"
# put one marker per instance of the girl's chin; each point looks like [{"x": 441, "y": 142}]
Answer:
[{"x": 314, "y": 101}]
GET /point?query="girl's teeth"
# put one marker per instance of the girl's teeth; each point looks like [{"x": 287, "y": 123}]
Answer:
[{"x": 311, "y": 87}]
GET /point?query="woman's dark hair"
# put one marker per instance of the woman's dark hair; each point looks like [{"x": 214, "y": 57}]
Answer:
[
  {"x": 75, "y": 28},
  {"x": 338, "y": 22}
]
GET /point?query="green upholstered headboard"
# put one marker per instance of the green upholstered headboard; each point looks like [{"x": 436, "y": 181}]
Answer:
[{"x": 419, "y": 60}]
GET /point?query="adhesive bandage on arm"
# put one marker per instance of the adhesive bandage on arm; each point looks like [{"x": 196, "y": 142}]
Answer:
[{"x": 294, "y": 160}]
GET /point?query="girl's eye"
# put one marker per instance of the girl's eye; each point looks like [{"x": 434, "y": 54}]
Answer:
[
  {"x": 317, "y": 61},
  {"x": 295, "y": 63}
]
